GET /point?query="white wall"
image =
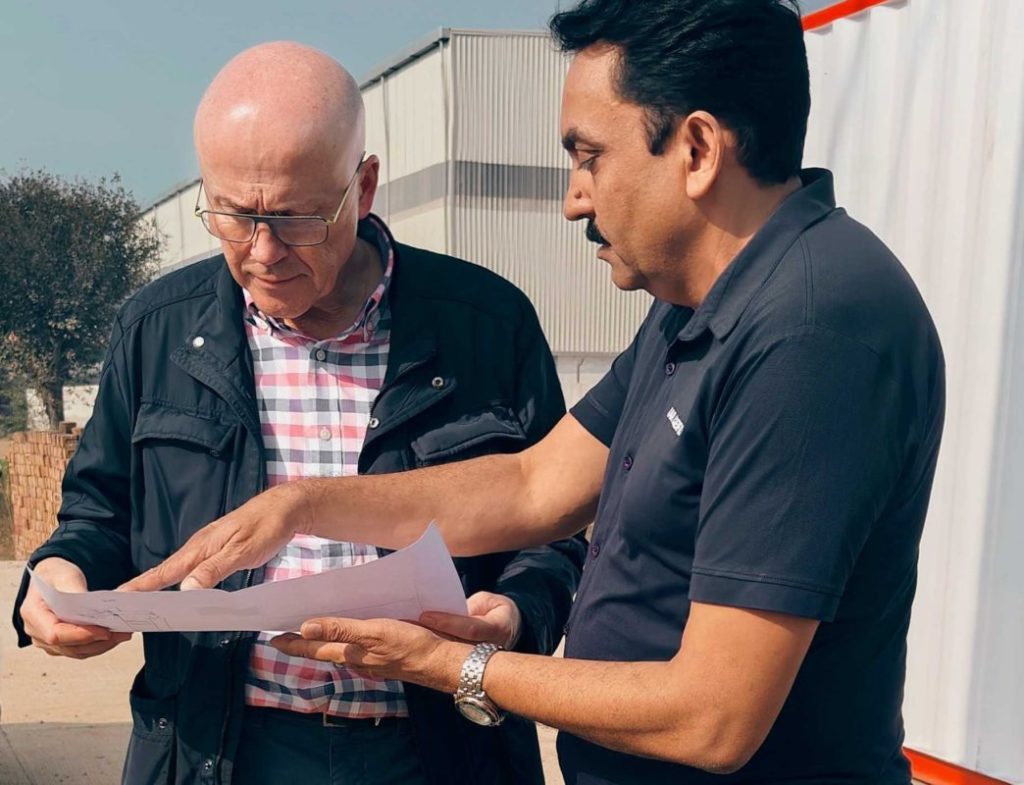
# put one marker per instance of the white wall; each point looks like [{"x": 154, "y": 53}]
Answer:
[{"x": 919, "y": 110}]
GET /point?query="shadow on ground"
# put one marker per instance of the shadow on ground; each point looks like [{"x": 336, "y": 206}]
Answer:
[{"x": 30, "y": 753}]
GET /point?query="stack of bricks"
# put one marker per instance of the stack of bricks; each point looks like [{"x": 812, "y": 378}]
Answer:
[{"x": 38, "y": 460}]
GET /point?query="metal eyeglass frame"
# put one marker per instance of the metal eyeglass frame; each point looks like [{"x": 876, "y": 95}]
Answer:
[{"x": 270, "y": 220}]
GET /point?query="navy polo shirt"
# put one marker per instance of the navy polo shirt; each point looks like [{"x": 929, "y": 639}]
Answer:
[{"x": 773, "y": 450}]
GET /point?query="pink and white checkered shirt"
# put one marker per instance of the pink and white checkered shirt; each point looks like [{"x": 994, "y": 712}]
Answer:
[{"x": 314, "y": 400}]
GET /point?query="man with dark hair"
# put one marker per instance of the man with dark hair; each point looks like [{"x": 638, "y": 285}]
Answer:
[{"x": 760, "y": 459}]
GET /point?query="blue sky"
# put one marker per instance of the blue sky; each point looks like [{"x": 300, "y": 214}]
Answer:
[{"x": 101, "y": 86}]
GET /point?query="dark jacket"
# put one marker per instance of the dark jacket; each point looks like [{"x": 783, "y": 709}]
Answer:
[{"x": 174, "y": 443}]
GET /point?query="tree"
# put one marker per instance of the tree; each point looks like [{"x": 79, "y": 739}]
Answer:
[{"x": 70, "y": 253}]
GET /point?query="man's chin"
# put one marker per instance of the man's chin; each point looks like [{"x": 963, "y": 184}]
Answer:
[
  {"x": 623, "y": 276},
  {"x": 278, "y": 309}
]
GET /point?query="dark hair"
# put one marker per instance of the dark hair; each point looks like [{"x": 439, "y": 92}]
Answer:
[{"x": 744, "y": 61}]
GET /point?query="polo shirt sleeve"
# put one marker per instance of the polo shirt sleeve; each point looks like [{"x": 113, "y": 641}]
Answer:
[
  {"x": 805, "y": 447},
  {"x": 599, "y": 410}
]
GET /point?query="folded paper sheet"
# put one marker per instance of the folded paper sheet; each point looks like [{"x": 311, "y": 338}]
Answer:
[{"x": 402, "y": 585}]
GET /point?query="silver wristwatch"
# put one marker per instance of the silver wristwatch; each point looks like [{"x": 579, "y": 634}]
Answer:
[{"x": 471, "y": 700}]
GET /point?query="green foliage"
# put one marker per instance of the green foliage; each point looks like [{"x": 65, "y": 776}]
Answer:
[
  {"x": 13, "y": 407},
  {"x": 70, "y": 253}
]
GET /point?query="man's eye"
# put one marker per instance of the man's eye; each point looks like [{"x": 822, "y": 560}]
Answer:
[{"x": 587, "y": 164}]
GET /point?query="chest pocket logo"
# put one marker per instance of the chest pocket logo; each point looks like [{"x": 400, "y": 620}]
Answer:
[{"x": 676, "y": 421}]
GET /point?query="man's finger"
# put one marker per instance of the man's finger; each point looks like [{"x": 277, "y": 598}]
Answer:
[
  {"x": 483, "y": 603},
  {"x": 465, "y": 628},
  {"x": 89, "y": 649},
  {"x": 64, "y": 634},
  {"x": 296, "y": 646},
  {"x": 165, "y": 574},
  {"x": 67, "y": 634},
  {"x": 209, "y": 573},
  {"x": 337, "y": 630}
]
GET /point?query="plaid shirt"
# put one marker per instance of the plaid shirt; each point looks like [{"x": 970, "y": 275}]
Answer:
[{"x": 314, "y": 400}]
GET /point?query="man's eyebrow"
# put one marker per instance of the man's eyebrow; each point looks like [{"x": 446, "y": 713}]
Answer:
[
  {"x": 574, "y": 139},
  {"x": 233, "y": 207}
]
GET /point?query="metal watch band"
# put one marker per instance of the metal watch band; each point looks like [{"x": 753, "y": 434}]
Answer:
[{"x": 471, "y": 679}]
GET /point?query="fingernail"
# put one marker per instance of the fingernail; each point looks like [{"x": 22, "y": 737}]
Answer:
[
  {"x": 312, "y": 630},
  {"x": 189, "y": 584},
  {"x": 429, "y": 617}
]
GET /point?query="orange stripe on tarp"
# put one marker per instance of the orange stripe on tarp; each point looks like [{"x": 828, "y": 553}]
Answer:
[
  {"x": 827, "y": 16},
  {"x": 938, "y": 772}
]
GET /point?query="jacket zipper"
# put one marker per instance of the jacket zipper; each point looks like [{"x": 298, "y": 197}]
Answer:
[{"x": 236, "y": 639}]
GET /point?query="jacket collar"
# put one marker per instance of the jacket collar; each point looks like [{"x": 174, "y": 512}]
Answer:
[{"x": 217, "y": 353}]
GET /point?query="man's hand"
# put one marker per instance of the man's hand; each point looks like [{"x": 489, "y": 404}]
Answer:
[
  {"x": 493, "y": 618},
  {"x": 62, "y": 639},
  {"x": 247, "y": 538},
  {"x": 382, "y": 648}
]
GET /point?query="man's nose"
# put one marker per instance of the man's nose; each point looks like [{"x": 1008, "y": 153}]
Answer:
[
  {"x": 266, "y": 248},
  {"x": 577, "y": 204}
]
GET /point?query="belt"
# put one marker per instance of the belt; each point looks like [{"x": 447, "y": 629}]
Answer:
[{"x": 323, "y": 719}]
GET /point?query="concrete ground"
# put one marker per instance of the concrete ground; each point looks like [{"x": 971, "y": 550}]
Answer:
[{"x": 66, "y": 722}]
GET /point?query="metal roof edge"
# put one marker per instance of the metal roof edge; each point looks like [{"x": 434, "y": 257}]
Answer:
[
  {"x": 426, "y": 44},
  {"x": 182, "y": 186},
  {"x": 413, "y": 52}
]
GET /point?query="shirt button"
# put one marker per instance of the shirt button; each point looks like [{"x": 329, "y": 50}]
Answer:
[
  {"x": 321, "y": 355},
  {"x": 627, "y": 462},
  {"x": 437, "y": 383},
  {"x": 325, "y": 434},
  {"x": 198, "y": 342},
  {"x": 373, "y": 423},
  {"x": 208, "y": 765},
  {"x": 670, "y": 369},
  {"x": 162, "y": 723},
  {"x": 595, "y": 550}
]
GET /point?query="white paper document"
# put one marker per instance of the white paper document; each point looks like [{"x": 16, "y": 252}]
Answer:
[{"x": 402, "y": 585}]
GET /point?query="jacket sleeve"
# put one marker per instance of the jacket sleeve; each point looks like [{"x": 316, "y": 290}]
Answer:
[
  {"x": 542, "y": 581},
  {"x": 94, "y": 517}
]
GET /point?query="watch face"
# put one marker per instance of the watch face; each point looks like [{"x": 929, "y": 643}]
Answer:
[{"x": 477, "y": 711}]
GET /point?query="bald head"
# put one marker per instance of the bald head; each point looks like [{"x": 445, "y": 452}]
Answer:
[{"x": 280, "y": 106}]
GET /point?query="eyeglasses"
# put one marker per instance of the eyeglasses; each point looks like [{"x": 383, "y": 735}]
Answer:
[{"x": 294, "y": 230}]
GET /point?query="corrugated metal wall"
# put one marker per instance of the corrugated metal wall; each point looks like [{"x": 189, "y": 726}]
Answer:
[
  {"x": 509, "y": 179},
  {"x": 919, "y": 109},
  {"x": 185, "y": 238}
]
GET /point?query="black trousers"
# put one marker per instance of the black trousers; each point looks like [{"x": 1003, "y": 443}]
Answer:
[{"x": 286, "y": 747}]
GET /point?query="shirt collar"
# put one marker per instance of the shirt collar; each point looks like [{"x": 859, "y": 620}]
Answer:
[
  {"x": 748, "y": 272},
  {"x": 372, "y": 230}
]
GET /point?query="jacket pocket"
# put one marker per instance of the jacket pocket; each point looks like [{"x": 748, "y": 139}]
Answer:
[
  {"x": 185, "y": 464},
  {"x": 492, "y": 430},
  {"x": 163, "y": 423},
  {"x": 152, "y": 746}
]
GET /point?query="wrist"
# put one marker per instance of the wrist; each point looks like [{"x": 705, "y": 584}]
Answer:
[
  {"x": 304, "y": 505},
  {"x": 442, "y": 669}
]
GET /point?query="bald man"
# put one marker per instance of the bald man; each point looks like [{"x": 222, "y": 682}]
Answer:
[{"x": 314, "y": 345}]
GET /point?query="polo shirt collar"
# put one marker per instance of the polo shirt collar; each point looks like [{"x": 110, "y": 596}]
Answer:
[{"x": 747, "y": 273}]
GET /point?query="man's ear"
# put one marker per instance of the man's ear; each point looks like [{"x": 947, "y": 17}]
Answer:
[
  {"x": 703, "y": 143},
  {"x": 367, "y": 185}
]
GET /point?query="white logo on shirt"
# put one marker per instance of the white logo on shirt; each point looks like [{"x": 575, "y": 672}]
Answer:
[{"x": 677, "y": 423}]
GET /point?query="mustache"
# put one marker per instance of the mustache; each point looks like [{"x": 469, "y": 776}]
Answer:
[{"x": 594, "y": 234}]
